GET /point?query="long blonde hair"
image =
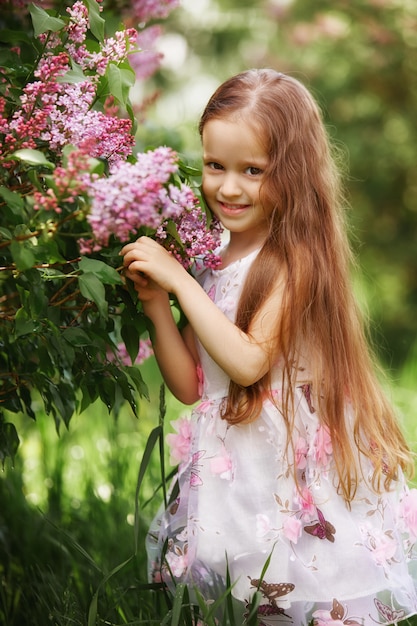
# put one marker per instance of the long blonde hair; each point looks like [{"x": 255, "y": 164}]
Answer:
[{"x": 308, "y": 240}]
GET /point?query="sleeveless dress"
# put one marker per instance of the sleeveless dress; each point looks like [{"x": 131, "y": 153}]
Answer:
[{"x": 236, "y": 511}]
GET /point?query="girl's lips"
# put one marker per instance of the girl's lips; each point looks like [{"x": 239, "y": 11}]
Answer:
[{"x": 233, "y": 209}]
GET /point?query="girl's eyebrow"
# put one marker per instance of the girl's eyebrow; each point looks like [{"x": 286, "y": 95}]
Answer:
[{"x": 261, "y": 163}]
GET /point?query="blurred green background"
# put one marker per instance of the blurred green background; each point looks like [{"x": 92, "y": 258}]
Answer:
[{"x": 67, "y": 515}]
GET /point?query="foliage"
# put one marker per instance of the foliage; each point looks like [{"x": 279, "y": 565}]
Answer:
[{"x": 72, "y": 191}]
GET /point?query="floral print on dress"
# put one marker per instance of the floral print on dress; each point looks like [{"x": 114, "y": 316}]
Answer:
[
  {"x": 222, "y": 464},
  {"x": 176, "y": 559},
  {"x": 180, "y": 442},
  {"x": 408, "y": 512},
  {"x": 322, "y": 448},
  {"x": 382, "y": 545}
]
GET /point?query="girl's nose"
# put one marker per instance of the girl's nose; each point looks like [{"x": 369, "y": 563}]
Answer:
[{"x": 230, "y": 185}]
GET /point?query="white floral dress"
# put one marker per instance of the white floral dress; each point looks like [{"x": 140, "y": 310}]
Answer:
[{"x": 238, "y": 508}]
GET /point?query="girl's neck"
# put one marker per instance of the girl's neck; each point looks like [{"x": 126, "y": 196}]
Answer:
[{"x": 239, "y": 247}]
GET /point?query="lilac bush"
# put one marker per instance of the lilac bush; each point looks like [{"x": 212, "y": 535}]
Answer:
[{"x": 73, "y": 190}]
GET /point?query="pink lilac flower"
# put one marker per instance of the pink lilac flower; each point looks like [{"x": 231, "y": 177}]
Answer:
[
  {"x": 79, "y": 22},
  {"x": 60, "y": 113},
  {"x": 132, "y": 196},
  {"x": 180, "y": 441},
  {"x": 145, "y": 10},
  {"x": 69, "y": 184},
  {"x": 72, "y": 121},
  {"x": 148, "y": 60},
  {"x": 137, "y": 195},
  {"x": 196, "y": 238},
  {"x": 113, "y": 49}
]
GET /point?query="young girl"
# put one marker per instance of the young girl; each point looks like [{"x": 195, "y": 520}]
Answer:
[{"x": 293, "y": 481}]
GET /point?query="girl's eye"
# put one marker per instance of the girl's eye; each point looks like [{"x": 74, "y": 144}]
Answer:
[
  {"x": 214, "y": 166},
  {"x": 254, "y": 171}
]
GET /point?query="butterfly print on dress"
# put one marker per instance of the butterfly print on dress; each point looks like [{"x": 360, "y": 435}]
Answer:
[
  {"x": 339, "y": 613},
  {"x": 387, "y": 612},
  {"x": 306, "y": 389},
  {"x": 321, "y": 529},
  {"x": 271, "y": 592},
  {"x": 195, "y": 480}
]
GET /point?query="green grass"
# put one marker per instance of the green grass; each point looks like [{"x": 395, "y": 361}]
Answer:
[{"x": 74, "y": 511}]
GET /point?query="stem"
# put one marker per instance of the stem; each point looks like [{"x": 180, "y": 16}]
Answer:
[
  {"x": 61, "y": 289},
  {"x": 5, "y": 268}
]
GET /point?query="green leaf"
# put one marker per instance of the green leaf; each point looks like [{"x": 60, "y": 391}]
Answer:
[
  {"x": 107, "y": 274},
  {"x": 38, "y": 301},
  {"x": 24, "y": 325},
  {"x": 9, "y": 441},
  {"x": 5, "y": 233},
  {"x": 96, "y": 21},
  {"x": 92, "y": 288},
  {"x": 73, "y": 76},
  {"x": 188, "y": 170},
  {"x": 13, "y": 200},
  {"x": 120, "y": 80},
  {"x": 153, "y": 438},
  {"x": 14, "y": 36},
  {"x": 60, "y": 400},
  {"x": 76, "y": 337},
  {"x": 32, "y": 157},
  {"x": 136, "y": 378},
  {"x": 107, "y": 391},
  {"x": 125, "y": 387},
  {"x": 131, "y": 338},
  {"x": 42, "y": 21},
  {"x": 22, "y": 255},
  {"x": 171, "y": 229}
]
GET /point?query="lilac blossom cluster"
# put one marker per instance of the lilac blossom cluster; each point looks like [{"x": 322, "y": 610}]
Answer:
[
  {"x": 57, "y": 112},
  {"x": 140, "y": 198},
  {"x": 148, "y": 59},
  {"x": 199, "y": 240},
  {"x": 143, "y": 10}
]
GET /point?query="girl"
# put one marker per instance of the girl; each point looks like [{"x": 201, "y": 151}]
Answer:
[{"x": 293, "y": 481}]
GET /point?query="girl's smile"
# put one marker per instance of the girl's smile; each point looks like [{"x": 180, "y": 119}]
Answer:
[
  {"x": 234, "y": 164},
  {"x": 233, "y": 209}
]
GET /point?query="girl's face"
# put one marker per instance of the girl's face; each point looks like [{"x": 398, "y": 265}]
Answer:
[{"x": 234, "y": 161}]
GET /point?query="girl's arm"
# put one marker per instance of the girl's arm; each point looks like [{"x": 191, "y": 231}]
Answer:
[
  {"x": 175, "y": 353},
  {"x": 245, "y": 357}
]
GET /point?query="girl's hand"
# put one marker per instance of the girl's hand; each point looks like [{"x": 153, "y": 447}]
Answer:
[
  {"x": 146, "y": 289},
  {"x": 150, "y": 267}
]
